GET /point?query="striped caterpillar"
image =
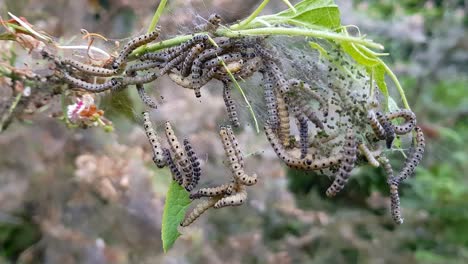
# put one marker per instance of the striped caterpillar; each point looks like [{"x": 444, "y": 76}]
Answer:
[
  {"x": 194, "y": 162},
  {"x": 368, "y": 154},
  {"x": 349, "y": 158},
  {"x": 410, "y": 121},
  {"x": 394, "y": 196},
  {"x": 230, "y": 105},
  {"x": 236, "y": 168},
  {"x": 158, "y": 156},
  {"x": 180, "y": 156},
  {"x": 235, "y": 199},
  {"x": 132, "y": 45},
  {"x": 414, "y": 158},
  {"x": 199, "y": 210}
]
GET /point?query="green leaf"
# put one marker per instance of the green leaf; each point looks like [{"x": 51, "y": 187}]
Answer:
[
  {"x": 356, "y": 52},
  {"x": 313, "y": 13},
  {"x": 177, "y": 202},
  {"x": 379, "y": 75}
]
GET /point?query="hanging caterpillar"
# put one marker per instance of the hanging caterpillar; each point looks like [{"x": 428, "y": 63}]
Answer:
[
  {"x": 368, "y": 154},
  {"x": 394, "y": 196},
  {"x": 235, "y": 146},
  {"x": 180, "y": 156},
  {"x": 408, "y": 116},
  {"x": 283, "y": 117},
  {"x": 230, "y": 105},
  {"x": 349, "y": 158},
  {"x": 195, "y": 163},
  {"x": 158, "y": 156},
  {"x": 303, "y": 133},
  {"x": 235, "y": 199},
  {"x": 132, "y": 45},
  {"x": 145, "y": 98},
  {"x": 271, "y": 105},
  {"x": 199, "y": 210},
  {"x": 414, "y": 158}
]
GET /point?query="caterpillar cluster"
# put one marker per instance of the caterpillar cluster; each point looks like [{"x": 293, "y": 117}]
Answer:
[{"x": 336, "y": 106}]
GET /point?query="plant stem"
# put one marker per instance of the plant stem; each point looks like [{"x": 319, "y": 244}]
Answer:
[
  {"x": 7, "y": 115},
  {"x": 251, "y": 17},
  {"x": 397, "y": 84},
  {"x": 156, "y": 16}
]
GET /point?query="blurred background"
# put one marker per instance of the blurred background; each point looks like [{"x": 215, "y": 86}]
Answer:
[{"x": 87, "y": 196}]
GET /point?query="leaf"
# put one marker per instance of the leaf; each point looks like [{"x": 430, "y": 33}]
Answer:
[
  {"x": 359, "y": 55},
  {"x": 177, "y": 202},
  {"x": 379, "y": 75},
  {"x": 313, "y": 13}
]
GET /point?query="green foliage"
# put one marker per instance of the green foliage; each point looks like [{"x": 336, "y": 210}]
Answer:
[{"x": 176, "y": 205}]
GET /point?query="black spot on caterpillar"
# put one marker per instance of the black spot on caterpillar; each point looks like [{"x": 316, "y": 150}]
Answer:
[
  {"x": 131, "y": 70},
  {"x": 415, "y": 156},
  {"x": 195, "y": 163},
  {"x": 184, "y": 47},
  {"x": 235, "y": 146},
  {"x": 187, "y": 65},
  {"x": 270, "y": 100},
  {"x": 158, "y": 156},
  {"x": 388, "y": 128},
  {"x": 199, "y": 210},
  {"x": 114, "y": 83},
  {"x": 228, "y": 57},
  {"x": 235, "y": 199},
  {"x": 230, "y": 105},
  {"x": 408, "y": 116},
  {"x": 85, "y": 68},
  {"x": 394, "y": 196},
  {"x": 349, "y": 158},
  {"x": 375, "y": 124},
  {"x": 176, "y": 175},
  {"x": 147, "y": 100},
  {"x": 180, "y": 156},
  {"x": 132, "y": 45},
  {"x": 283, "y": 117},
  {"x": 303, "y": 132},
  {"x": 173, "y": 63},
  {"x": 160, "y": 56},
  {"x": 212, "y": 192}
]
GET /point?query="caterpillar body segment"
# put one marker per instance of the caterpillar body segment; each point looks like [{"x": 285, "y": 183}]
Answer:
[
  {"x": 132, "y": 45},
  {"x": 270, "y": 100},
  {"x": 230, "y": 105},
  {"x": 388, "y": 128},
  {"x": 158, "y": 155},
  {"x": 173, "y": 63},
  {"x": 140, "y": 79},
  {"x": 284, "y": 129},
  {"x": 195, "y": 164},
  {"x": 235, "y": 199},
  {"x": 302, "y": 86},
  {"x": 347, "y": 165},
  {"x": 308, "y": 111},
  {"x": 145, "y": 98},
  {"x": 379, "y": 131},
  {"x": 394, "y": 196},
  {"x": 235, "y": 146},
  {"x": 368, "y": 155},
  {"x": 177, "y": 51},
  {"x": 180, "y": 157},
  {"x": 212, "y": 24},
  {"x": 226, "y": 58},
  {"x": 303, "y": 134},
  {"x": 173, "y": 168},
  {"x": 414, "y": 158},
  {"x": 187, "y": 65},
  {"x": 93, "y": 70},
  {"x": 408, "y": 116},
  {"x": 199, "y": 210},
  {"x": 213, "y": 191},
  {"x": 132, "y": 69}
]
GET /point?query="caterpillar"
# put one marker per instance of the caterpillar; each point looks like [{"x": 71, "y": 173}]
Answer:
[
  {"x": 145, "y": 98},
  {"x": 368, "y": 154},
  {"x": 235, "y": 146},
  {"x": 283, "y": 117},
  {"x": 297, "y": 84},
  {"x": 199, "y": 210},
  {"x": 173, "y": 63},
  {"x": 375, "y": 125},
  {"x": 230, "y": 105},
  {"x": 349, "y": 158},
  {"x": 213, "y": 23},
  {"x": 158, "y": 156},
  {"x": 160, "y": 56},
  {"x": 394, "y": 196},
  {"x": 236, "y": 168},
  {"x": 235, "y": 199},
  {"x": 410, "y": 121},
  {"x": 142, "y": 66},
  {"x": 212, "y": 192},
  {"x": 303, "y": 132},
  {"x": 195, "y": 163},
  {"x": 414, "y": 158},
  {"x": 132, "y": 45},
  {"x": 182, "y": 48},
  {"x": 85, "y": 68},
  {"x": 280, "y": 151},
  {"x": 265, "y": 54},
  {"x": 226, "y": 58},
  {"x": 271, "y": 105},
  {"x": 187, "y": 65},
  {"x": 176, "y": 175},
  {"x": 308, "y": 111},
  {"x": 388, "y": 128},
  {"x": 180, "y": 155},
  {"x": 114, "y": 83},
  {"x": 249, "y": 68}
]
